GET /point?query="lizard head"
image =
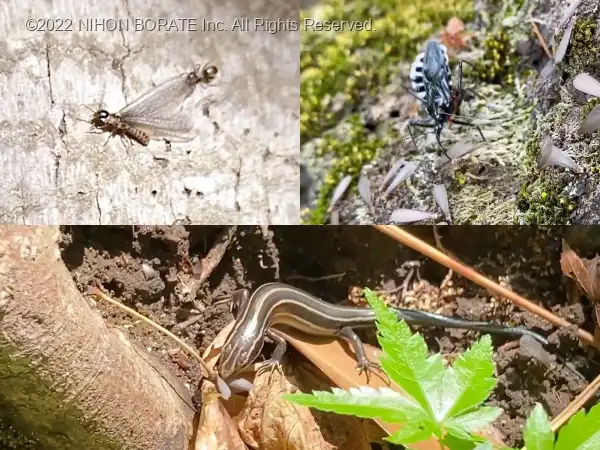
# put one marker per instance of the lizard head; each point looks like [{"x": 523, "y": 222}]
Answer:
[{"x": 240, "y": 350}]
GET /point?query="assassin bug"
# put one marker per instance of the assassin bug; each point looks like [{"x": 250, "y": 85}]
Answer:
[{"x": 432, "y": 84}]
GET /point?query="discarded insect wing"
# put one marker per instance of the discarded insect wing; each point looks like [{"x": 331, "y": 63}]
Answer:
[
  {"x": 364, "y": 189},
  {"x": 440, "y": 195},
  {"x": 403, "y": 175},
  {"x": 459, "y": 149},
  {"x": 335, "y": 218},
  {"x": 568, "y": 13},
  {"x": 410, "y": 215},
  {"x": 591, "y": 122},
  {"x": 551, "y": 155},
  {"x": 339, "y": 191},
  {"x": 587, "y": 84},
  {"x": 564, "y": 42},
  {"x": 395, "y": 168}
]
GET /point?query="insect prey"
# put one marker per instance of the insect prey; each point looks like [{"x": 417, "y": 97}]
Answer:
[
  {"x": 158, "y": 114},
  {"x": 431, "y": 80}
]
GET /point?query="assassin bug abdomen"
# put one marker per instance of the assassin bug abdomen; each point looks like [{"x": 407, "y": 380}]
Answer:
[{"x": 431, "y": 79}]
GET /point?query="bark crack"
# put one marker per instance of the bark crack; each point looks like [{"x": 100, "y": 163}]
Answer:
[
  {"x": 238, "y": 171},
  {"x": 49, "y": 73},
  {"x": 98, "y": 200}
]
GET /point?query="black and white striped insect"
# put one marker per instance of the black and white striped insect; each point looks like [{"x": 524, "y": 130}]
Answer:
[
  {"x": 158, "y": 113},
  {"x": 431, "y": 79}
]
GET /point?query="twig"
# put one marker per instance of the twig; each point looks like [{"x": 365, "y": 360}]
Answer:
[
  {"x": 576, "y": 404},
  {"x": 192, "y": 320},
  {"x": 415, "y": 243},
  {"x": 333, "y": 276},
  {"x": 186, "y": 323},
  {"x": 98, "y": 293},
  {"x": 536, "y": 30},
  {"x": 214, "y": 256}
]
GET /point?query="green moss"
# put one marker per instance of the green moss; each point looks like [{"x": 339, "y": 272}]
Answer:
[
  {"x": 543, "y": 203},
  {"x": 532, "y": 152},
  {"x": 540, "y": 198},
  {"x": 499, "y": 61},
  {"x": 353, "y": 151},
  {"x": 583, "y": 54},
  {"x": 34, "y": 417}
]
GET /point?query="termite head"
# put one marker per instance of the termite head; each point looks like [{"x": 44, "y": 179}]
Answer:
[
  {"x": 100, "y": 118},
  {"x": 209, "y": 73},
  {"x": 205, "y": 75}
]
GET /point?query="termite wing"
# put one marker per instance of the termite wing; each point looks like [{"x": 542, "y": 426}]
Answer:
[{"x": 159, "y": 113}]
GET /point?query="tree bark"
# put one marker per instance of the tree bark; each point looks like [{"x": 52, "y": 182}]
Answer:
[
  {"x": 241, "y": 168},
  {"x": 69, "y": 382}
]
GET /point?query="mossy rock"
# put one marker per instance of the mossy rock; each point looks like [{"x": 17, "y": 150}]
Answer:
[{"x": 345, "y": 77}]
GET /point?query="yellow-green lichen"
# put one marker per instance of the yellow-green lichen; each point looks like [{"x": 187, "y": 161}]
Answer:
[
  {"x": 499, "y": 60},
  {"x": 584, "y": 53},
  {"x": 460, "y": 178}
]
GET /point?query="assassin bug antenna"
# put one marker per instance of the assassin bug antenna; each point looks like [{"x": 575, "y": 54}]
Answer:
[{"x": 431, "y": 79}]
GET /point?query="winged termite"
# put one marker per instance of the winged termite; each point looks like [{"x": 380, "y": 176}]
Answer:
[{"x": 158, "y": 114}]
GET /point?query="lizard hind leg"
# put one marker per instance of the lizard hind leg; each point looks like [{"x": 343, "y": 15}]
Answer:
[{"x": 363, "y": 365}]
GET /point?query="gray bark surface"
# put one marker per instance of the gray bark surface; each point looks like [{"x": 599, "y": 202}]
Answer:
[
  {"x": 87, "y": 386},
  {"x": 241, "y": 168}
]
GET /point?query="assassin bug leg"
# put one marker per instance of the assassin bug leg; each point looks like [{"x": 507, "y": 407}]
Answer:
[
  {"x": 427, "y": 123},
  {"x": 469, "y": 124}
]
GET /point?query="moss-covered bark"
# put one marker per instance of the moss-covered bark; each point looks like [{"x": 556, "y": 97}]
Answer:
[
  {"x": 33, "y": 416},
  {"x": 67, "y": 381}
]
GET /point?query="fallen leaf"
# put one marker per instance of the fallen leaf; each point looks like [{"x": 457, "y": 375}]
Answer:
[
  {"x": 585, "y": 271},
  {"x": 269, "y": 422},
  {"x": 454, "y": 37},
  {"x": 216, "y": 429},
  {"x": 344, "y": 431},
  {"x": 213, "y": 351}
]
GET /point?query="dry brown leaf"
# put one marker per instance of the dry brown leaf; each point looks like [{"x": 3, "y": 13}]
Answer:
[
  {"x": 585, "y": 271},
  {"x": 216, "y": 429},
  {"x": 213, "y": 351},
  {"x": 344, "y": 431},
  {"x": 454, "y": 37},
  {"x": 270, "y": 423},
  {"x": 206, "y": 441}
]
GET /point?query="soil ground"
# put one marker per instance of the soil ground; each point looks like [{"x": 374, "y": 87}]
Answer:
[{"x": 139, "y": 266}]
